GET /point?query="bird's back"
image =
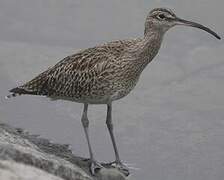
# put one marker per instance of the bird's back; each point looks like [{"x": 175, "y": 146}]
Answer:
[{"x": 93, "y": 74}]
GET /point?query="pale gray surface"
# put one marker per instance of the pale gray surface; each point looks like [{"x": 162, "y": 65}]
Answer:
[{"x": 171, "y": 126}]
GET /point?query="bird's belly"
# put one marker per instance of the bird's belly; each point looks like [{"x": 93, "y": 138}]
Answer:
[
  {"x": 90, "y": 100},
  {"x": 120, "y": 91},
  {"x": 97, "y": 98},
  {"x": 101, "y": 94}
]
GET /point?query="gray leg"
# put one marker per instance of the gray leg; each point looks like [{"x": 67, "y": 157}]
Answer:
[
  {"x": 109, "y": 123},
  {"x": 85, "y": 122},
  {"x": 110, "y": 128}
]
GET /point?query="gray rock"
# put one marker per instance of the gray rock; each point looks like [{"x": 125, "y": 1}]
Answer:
[
  {"x": 110, "y": 174},
  {"x": 25, "y": 156},
  {"x": 10, "y": 170}
]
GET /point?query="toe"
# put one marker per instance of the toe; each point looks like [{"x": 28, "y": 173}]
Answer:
[{"x": 95, "y": 167}]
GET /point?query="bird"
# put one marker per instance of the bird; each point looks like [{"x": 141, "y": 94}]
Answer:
[{"x": 105, "y": 73}]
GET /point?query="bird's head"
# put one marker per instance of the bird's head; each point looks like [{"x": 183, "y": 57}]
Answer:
[{"x": 162, "y": 19}]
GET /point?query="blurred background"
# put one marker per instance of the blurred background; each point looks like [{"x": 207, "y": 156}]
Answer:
[{"x": 171, "y": 126}]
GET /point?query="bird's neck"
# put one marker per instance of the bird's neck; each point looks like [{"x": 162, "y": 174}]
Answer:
[{"x": 147, "y": 49}]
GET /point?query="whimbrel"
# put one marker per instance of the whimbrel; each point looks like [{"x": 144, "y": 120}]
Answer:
[{"x": 105, "y": 73}]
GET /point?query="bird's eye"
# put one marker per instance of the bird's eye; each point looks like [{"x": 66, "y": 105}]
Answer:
[{"x": 161, "y": 16}]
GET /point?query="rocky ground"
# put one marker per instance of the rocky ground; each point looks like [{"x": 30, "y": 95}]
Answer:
[{"x": 25, "y": 156}]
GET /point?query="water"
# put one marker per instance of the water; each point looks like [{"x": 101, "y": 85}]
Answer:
[{"x": 170, "y": 126}]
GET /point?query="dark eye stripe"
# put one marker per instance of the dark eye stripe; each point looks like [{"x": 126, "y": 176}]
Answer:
[{"x": 161, "y": 16}]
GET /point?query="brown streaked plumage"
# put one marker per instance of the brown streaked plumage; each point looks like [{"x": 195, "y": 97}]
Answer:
[
  {"x": 94, "y": 74},
  {"x": 105, "y": 73}
]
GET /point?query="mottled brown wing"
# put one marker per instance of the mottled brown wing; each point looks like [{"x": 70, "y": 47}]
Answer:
[{"x": 79, "y": 74}]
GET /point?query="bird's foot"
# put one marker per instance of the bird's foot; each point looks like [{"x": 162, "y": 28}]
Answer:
[
  {"x": 121, "y": 167},
  {"x": 95, "y": 167}
]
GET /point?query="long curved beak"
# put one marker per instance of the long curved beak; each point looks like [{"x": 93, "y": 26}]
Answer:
[{"x": 193, "y": 24}]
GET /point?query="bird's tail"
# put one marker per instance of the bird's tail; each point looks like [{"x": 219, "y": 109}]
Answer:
[
  {"x": 36, "y": 86},
  {"x": 17, "y": 92},
  {"x": 3, "y": 99},
  {"x": 11, "y": 95}
]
